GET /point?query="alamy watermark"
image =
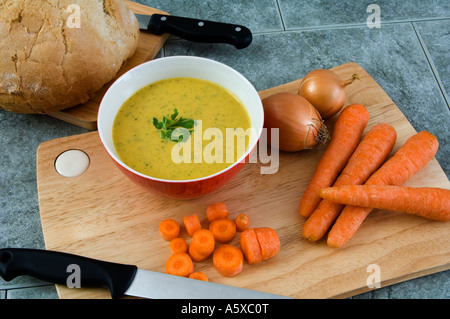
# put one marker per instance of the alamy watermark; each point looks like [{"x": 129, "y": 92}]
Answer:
[
  {"x": 74, "y": 279},
  {"x": 74, "y": 18},
  {"x": 374, "y": 19},
  {"x": 234, "y": 141},
  {"x": 374, "y": 279}
]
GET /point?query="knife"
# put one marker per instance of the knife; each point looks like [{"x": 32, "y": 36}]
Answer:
[
  {"x": 196, "y": 30},
  {"x": 121, "y": 279}
]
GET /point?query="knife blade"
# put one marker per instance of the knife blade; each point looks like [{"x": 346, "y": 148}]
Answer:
[
  {"x": 121, "y": 279},
  {"x": 196, "y": 30}
]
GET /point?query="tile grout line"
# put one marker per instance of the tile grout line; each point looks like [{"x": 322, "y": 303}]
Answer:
[
  {"x": 353, "y": 25},
  {"x": 332, "y": 26},
  {"x": 431, "y": 65},
  {"x": 281, "y": 15}
]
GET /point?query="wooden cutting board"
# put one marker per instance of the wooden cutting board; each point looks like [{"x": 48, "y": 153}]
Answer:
[
  {"x": 85, "y": 115},
  {"x": 101, "y": 214}
]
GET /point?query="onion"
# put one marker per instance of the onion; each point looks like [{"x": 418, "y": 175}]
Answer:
[
  {"x": 300, "y": 125},
  {"x": 325, "y": 91}
]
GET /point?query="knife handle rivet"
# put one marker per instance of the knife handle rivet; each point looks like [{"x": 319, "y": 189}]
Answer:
[
  {"x": 163, "y": 18},
  {"x": 238, "y": 29},
  {"x": 201, "y": 24}
]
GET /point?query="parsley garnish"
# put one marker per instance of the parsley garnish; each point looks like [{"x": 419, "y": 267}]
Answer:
[{"x": 170, "y": 123}]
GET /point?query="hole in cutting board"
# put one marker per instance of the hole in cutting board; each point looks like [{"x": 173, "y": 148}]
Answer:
[{"x": 72, "y": 163}]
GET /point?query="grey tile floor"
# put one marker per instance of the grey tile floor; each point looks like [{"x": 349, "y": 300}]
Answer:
[{"x": 408, "y": 56}]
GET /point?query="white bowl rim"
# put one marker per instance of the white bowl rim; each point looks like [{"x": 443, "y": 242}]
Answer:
[{"x": 250, "y": 147}]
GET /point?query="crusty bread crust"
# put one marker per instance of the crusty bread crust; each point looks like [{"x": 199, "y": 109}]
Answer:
[{"x": 48, "y": 65}]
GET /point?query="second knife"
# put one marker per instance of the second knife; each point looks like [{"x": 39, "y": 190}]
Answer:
[{"x": 196, "y": 30}]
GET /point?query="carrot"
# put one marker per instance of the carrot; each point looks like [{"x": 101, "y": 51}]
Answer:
[
  {"x": 169, "y": 229},
  {"x": 191, "y": 223},
  {"x": 178, "y": 245},
  {"x": 202, "y": 245},
  {"x": 250, "y": 246},
  {"x": 268, "y": 241},
  {"x": 180, "y": 264},
  {"x": 228, "y": 260},
  {"x": 217, "y": 211},
  {"x": 242, "y": 222},
  {"x": 428, "y": 202},
  {"x": 417, "y": 151},
  {"x": 199, "y": 276},
  {"x": 196, "y": 256},
  {"x": 346, "y": 135},
  {"x": 223, "y": 230},
  {"x": 258, "y": 244},
  {"x": 371, "y": 152}
]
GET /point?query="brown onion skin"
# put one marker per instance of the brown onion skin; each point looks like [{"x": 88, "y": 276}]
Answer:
[
  {"x": 325, "y": 90},
  {"x": 299, "y": 123}
]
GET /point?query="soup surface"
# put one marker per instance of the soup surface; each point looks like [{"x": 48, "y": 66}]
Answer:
[{"x": 216, "y": 111}]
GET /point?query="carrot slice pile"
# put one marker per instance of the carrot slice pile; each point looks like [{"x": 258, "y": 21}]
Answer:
[{"x": 256, "y": 244}]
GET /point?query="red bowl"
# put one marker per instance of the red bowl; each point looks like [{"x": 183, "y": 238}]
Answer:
[{"x": 179, "y": 66}]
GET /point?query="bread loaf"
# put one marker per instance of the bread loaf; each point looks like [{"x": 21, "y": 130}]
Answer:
[{"x": 56, "y": 54}]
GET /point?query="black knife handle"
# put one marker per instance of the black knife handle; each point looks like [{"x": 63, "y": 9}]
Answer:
[
  {"x": 201, "y": 30},
  {"x": 54, "y": 267}
]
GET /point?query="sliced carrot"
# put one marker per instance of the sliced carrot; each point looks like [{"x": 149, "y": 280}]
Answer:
[
  {"x": 191, "y": 224},
  {"x": 411, "y": 157},
  {"x": 250, "y": 246},
  {"x": 228, "y": 260},
  {"x": 371, "y": 152},
  {"x": 199, "y": 276},
  {"x": 268, "y": 241},
  {"x": 428, "y": 202},
  {"x": 204, "y": 240},
  {"x": 169, "y": 229},
  {"x": 217, "y": 211},
  {"x": 202, "y": 245},
  {"x": 196, "y": 256},
  {"x": 178, "y": 245},
  {"x": 242, "y": 222},
  {"x": 223, "y": 230},
  {"x": 180, "y": 264},
  {"x": 346, "y": 135}
]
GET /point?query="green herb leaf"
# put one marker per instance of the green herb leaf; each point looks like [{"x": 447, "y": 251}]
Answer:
[
  {"x": 175, "y": 114},
  {"x": 186, "y": 123},
  {"x": 157, "y": 124},
  {"x": 169, "y": 123}
]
